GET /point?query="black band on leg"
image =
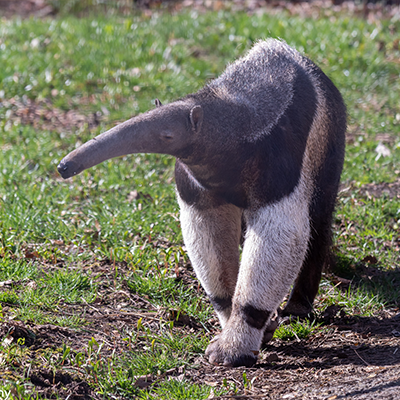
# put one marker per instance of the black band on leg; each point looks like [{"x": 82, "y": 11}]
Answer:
[
  {"x": 254, "y": 317},
  {"x": 221, "y": 303}
]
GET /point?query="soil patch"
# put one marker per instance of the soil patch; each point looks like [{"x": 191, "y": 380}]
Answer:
[
  {"x": 56, "y": 384},
  {"x": 25, "y": 8},
  {"x": 43, "y": 115},
  {"x": 370, "y": 9},
  {"x": 370, "y": 190}
]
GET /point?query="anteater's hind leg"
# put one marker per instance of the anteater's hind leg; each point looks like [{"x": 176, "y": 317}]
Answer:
[
  {"x": 306, "y": 286},
  {"x": 318, "y": 255}
]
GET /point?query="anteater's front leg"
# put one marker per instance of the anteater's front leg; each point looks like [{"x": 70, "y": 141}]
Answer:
[
  {"x": 212, "y": 237},
  {"x": 274, "y": 249}
]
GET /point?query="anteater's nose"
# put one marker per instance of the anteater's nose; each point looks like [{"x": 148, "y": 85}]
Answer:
[{"x": 66, "y": 169}]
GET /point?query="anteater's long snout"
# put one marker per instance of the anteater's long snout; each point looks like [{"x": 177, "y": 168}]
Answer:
[
  {"x": 162, "y": 130},
  {"x": 113, "y": 143},
  {"x": 68, "y": 168}
]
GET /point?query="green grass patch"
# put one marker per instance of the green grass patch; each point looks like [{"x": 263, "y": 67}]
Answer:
[
  {"x": 296, "y": 330},
  {"x": 354, "y": 301}
]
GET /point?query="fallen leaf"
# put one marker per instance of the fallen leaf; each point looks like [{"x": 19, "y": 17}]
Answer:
[
  {"x": 289, "y": 395},
  {"x": 370, "y": 259},
  {"x": 144, "y": 381},
  {"x": 32, "y": 285},
  {"x": 272, "y": 357},
  {"x": 31, "y": 254},
  {"x": 7, "y": 341},
  {"x": 382, "y": 151}
]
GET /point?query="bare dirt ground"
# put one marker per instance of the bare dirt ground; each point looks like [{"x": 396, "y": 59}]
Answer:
[{"x": 352, "y": 358}]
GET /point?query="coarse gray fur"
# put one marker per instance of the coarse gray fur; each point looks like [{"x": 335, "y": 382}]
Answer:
[
  {"x": 245, "y": 83},
  {"x": 259, "y": 152}
]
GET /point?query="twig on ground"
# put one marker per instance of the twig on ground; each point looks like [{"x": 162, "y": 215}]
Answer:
[{"x": 365, "y": 362}]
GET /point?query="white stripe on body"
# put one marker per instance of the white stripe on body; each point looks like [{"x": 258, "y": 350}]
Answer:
[{"x": 274, "y": 250}]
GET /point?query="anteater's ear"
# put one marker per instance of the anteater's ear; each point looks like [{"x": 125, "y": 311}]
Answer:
[
  {"x": 196, "y": 118},
  {"x": 157, "y": 103}
]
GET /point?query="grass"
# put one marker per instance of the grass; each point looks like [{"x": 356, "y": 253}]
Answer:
[
  {"x": 296, "y": 330},
  {"x": 53, "y": 232}
]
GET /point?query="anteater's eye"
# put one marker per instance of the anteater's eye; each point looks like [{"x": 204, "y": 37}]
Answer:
[{"x": 167, "y": 135}]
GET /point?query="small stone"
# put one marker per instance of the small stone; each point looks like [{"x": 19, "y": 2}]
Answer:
[{"x": 272, "y": 357}]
